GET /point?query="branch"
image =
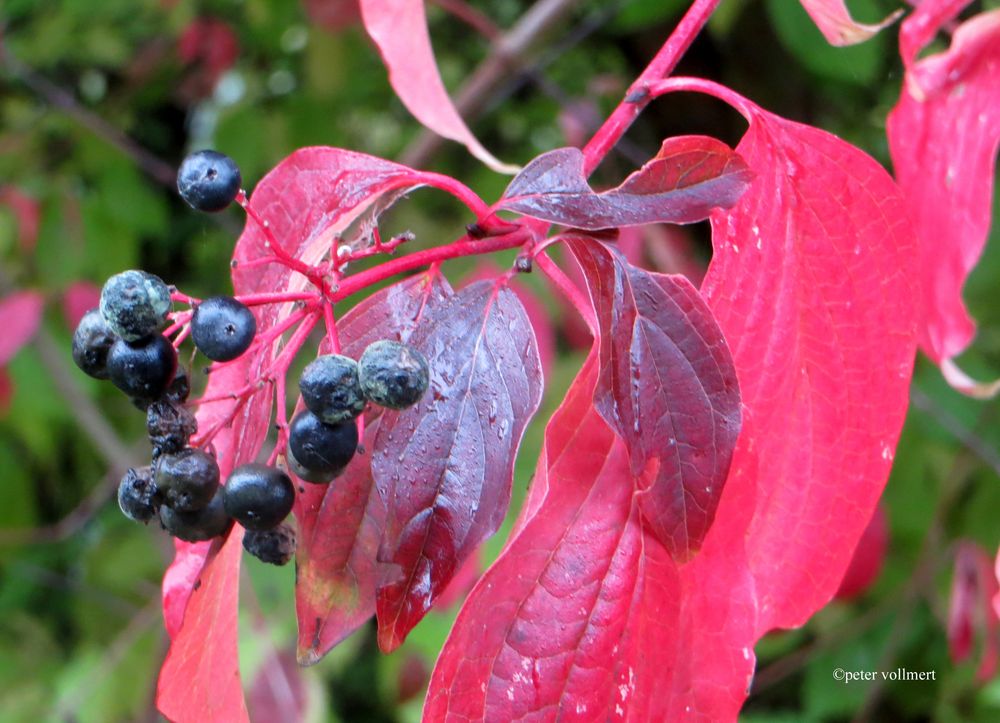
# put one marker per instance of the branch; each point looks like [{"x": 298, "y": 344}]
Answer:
[{"x": 159, "y": 170}]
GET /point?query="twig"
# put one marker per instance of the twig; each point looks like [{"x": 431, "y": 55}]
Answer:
[
  {"x": 156, "y": 168},
  {"x": 947, "y": 421}
]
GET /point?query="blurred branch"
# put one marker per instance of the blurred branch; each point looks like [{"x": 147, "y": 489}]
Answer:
[
  {"x": 951, "y": 424},
  {"x": 68, "y": 706},
  {"x": 159, "y": 170}
]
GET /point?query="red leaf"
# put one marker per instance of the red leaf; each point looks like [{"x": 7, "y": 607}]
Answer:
[
  {"x": 79, "y": 298},
  {"x": 399, "y": 29},
  {"x": 20, "y": 315},
  {"x": 278, "y": 692},
  {"x": 201, "y": 587},
  {"x": 333, "y": 15},
  {"x": 837, "y": 25},
  {"x": 200, "y": 679},
  {"x": 668, "y": 387},
  {"x": 545, "y": 334},
  {"x": 811, "y": 284},
  {"x": 970, "y": 611},
  {"x": 869, "y": 555},
  {"x": 944, "y": 134},
  {"x": 26, "y": 212},
  {"x": 211, "y": 48},
  {"x": 340, "y": 524},
  {"x": 689, "y": 177},
  {"x": 6, "y": 390},
  {"x": 444, "y": 466},
  {"x": 584, "y": 616}
]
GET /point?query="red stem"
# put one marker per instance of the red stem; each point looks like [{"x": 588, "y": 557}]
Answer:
[
  {"x": 638, "y": 95},
  {"x": 568, "y": 289},
  {"x": 313, "y": 274},
  {"x": 463, "y": 247},
  {"x": 278, "y": 298}
]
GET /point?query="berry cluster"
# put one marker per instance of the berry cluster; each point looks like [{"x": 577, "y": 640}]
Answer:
[{"x": 127, "y": 341}]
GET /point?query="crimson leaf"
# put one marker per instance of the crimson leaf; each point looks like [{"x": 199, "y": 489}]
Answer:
[
  {"x": 667, "y": 386},
  {"x": 444, "y": 466},
  {"x": 689, "y": 177},
  {"x": 584, "y": 615},
  {"x": 340, "y": 524},
  {"x": 811, "y": 281},
  {"x": 399, "y": 29},
  {"x": 838, "y": 27},
  {"x": 944, "y": 134}
]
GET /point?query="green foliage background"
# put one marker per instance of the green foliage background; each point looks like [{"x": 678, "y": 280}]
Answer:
[{"x": 93, "y": 118}]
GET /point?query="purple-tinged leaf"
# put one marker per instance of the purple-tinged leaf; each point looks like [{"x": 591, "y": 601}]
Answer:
[
  {"x": 444, "y": 466},
  {"x": 340, "y": 524},
  {"x": 690, "y": 176},
  {"x": 667, "y": 385}
]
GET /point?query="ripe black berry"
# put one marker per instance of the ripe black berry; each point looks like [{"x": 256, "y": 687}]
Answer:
[
  {"x": 222, "y": 328},
  {"x": 275, "y": 547},
  {"x": 204, "y": 524},
  {"x": 258, "y": 497},
  {"x": 138, "y": 496},
  {"x": 170, "y": 426},
  {"x": 330, "y": 388},
  {"x": 208, "y": 180},
  {"x": 135, "y": 304},
  {"x": 143, "y": 369},
  {"x": 180, "y": 387},
  {"x": 92, "y": 341},
  {"x": 188, "y": 479},
  {"x": 321, "y": 450},
  {"x": 392, "y": 374}
]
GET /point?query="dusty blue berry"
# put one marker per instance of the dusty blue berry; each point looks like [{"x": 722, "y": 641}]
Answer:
[
  {"x": 92, "y": 341},
  {"x": 135, "y": 304},
  {"x": 393, "y": 374},
  {"x": 138, "y": 496},
  {"x": 330, "y": 388},
  {"x": 318, "y": 452},
  {"x": 187, "y": 479}
]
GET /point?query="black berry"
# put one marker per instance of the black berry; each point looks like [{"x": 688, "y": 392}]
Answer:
[
  {"x": 330, "y": 388},
  {"x": 321, "y": 450},
  {"x": 188, "y": 479},
  {"x": 92, "y": 341},
  {"x": 135, "y": 304},
  {"x": 143, "y": 369},
  {"x": 170, "y": 426},
  {"x": 222, "y": 328},
  {"x": 180, "y": 387},
  {"x": 138, "y": 496},
  {"x": 208, "y": 180},
  {"x": 275, "y": 547},
  {"x": 392, "y": 374},
  {"x": 258, "y": 497},
  {"x": 204, "y": 524}
]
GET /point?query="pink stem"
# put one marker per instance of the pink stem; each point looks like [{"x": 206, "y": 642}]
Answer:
[
  {"x": 333, "y": 338},
  {"x": 183, "y": 298},
  {"x": 638, "y": 96},
  {"x": 708, "y": 87},
  {"x": 278, "y": 298},
  {"x": 179, "y": 339},
  {"x": 568, "y": 289},
  {"x": 313, "y": 274},
  {"x": 462, "y": 247}
]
